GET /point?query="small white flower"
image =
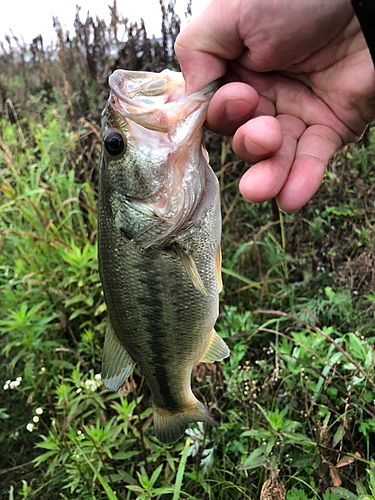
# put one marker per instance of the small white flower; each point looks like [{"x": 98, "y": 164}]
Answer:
[
  {"x": 43, "y": 369},
  {"x": 35, "y": 419},
  {"x": 7, "y": 382},
  {"x": 98, "y": 376},
  {"x": 6, "y": 386},
  {"x": 79, "y": 390},
  {"x": 14, "y": 384},
  {"x": 79, "y": 433},
  {"x": 19, "y": 379},
  {"x": 39, "y": 411},
  {"x": 91, "y": 385},
  {"x": 53, "y": 421},
  {"x": 30, "y": 427}
]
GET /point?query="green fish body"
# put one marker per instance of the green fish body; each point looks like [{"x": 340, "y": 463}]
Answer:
[{"x": 159, "y": 242}]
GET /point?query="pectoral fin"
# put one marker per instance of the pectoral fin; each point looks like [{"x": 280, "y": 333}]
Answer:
[
  {"x": 191, "y": 269},
  {"x": 216, "y": 351},
  {"x": 117, "y": 364}
]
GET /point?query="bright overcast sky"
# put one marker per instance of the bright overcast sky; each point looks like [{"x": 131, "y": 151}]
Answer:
[{"x": 29, "y": 18}]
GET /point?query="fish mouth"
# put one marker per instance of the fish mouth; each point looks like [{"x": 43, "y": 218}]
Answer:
[
  {"x": 156, "y": 101},
  {"x": 146, "y": 88}
]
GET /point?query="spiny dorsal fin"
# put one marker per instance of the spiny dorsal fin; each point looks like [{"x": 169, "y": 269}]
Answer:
[
  {"x": 117, "y": 364},
  {"x": 216, "y": 351},
  {"x": 170, "y": 426}
]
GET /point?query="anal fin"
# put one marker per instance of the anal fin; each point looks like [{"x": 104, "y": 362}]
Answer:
[
  {"x": 217, "y": 349},
  {"x": 117, "y": 363}
]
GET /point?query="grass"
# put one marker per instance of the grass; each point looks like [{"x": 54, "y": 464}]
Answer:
[{"x": 295, "y": 400}]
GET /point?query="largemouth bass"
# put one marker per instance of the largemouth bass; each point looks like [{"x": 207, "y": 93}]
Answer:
[{"x": 159, "y": 242}]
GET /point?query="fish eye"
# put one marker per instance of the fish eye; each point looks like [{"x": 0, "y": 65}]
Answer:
[{"x": 114, "y": 143}]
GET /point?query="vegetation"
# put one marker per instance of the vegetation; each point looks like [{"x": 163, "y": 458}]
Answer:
[{"x": 296, "y": 397}]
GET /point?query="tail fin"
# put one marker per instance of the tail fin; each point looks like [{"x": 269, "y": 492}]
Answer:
[{"x": 170, "y": 425}]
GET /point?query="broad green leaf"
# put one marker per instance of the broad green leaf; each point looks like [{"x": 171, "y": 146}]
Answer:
[{"x": 257, "y": 458}]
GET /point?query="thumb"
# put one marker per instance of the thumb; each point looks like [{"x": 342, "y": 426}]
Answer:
[{"x": 207, "y": 43}]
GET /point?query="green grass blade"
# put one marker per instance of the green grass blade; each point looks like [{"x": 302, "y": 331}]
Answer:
[
  {"x": 252, "y": 283},
  {"x": 181, "y": 470}
]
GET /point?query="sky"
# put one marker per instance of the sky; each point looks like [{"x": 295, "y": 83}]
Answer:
[{"x": 29, "y": 18}]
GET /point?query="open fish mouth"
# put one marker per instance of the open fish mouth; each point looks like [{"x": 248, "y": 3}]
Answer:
[
  {"x": 146, "y": 88},
  {"x": 155, "y": 100}
]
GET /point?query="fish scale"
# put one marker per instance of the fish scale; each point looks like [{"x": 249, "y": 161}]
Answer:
[{"x": 159, "y": 244}]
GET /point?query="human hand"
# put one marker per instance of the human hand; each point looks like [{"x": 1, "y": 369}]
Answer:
[{"x": 301, "y": 84}]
